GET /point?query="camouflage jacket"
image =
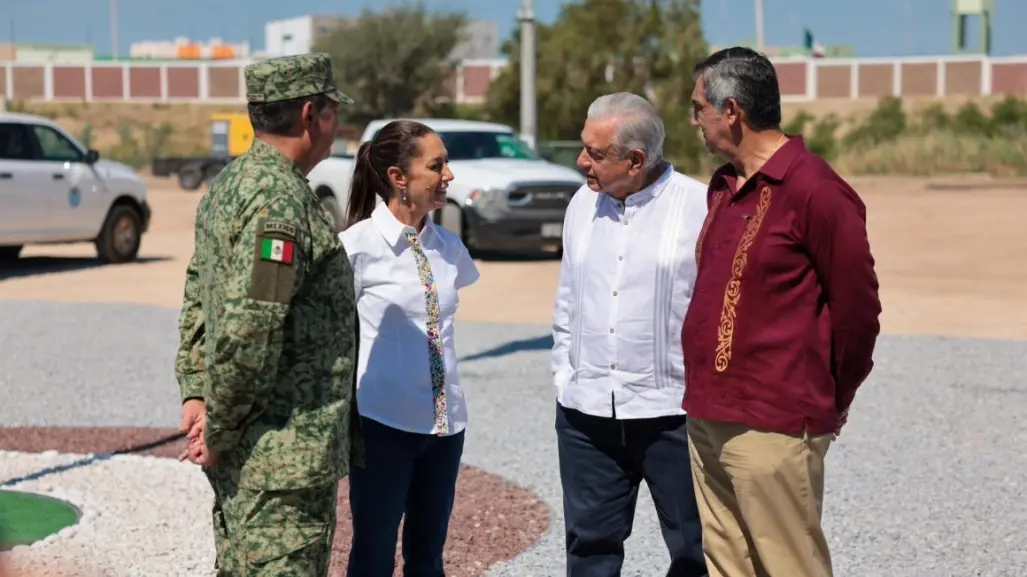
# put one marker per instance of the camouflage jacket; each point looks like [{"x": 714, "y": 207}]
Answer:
[{"x": 268, "y": 329}]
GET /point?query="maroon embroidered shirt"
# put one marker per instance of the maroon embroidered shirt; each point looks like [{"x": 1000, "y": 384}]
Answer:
[{"x": 781, "y": 328}]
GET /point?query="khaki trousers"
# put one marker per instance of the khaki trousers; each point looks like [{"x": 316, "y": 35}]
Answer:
[{"x": 760, "y": 497}]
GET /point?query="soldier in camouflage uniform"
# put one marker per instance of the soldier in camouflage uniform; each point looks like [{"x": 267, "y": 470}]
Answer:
[{"x": 268, "y": 335}]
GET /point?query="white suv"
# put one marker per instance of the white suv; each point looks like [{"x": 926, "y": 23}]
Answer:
[{"x": 54, "y": 190}]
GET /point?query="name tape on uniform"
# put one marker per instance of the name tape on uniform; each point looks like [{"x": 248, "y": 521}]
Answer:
[{"x": 280, "y": 227}]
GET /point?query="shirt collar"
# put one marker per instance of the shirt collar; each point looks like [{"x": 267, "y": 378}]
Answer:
[
  {"x": 775, "y": 168},
  {"x": 650, "y": 192},
  {"x": 263, "y": 151},
  {"x": 778, "y": 164},
  {"x": 392, "y": 230}
]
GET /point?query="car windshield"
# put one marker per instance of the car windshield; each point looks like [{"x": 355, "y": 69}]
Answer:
[{"x": 474, "y": 145}]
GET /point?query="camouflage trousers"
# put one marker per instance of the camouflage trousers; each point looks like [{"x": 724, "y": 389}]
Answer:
[{"x": 271, "y": 533}]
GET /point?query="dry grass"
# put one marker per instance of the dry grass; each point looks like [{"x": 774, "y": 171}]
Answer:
[
  {"x": 920, "y": 137},
  {"x": 911, "y": 154},
  {"x": 852, "y": 112},
  {"x": 939, "y": 153},
  {"x": 190, "y": 122}
]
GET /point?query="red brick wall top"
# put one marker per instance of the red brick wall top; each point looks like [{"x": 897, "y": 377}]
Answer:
[{"x": 799, "y": 79}]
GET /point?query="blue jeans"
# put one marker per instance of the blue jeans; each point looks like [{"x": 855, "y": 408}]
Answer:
[{"x": 404, "y": 474}]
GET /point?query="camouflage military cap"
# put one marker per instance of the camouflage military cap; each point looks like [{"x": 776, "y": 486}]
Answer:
[{"x": 290, "y": 77}]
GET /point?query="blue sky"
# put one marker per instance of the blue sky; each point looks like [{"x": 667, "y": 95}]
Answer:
[{"x": 873, "y": 27}]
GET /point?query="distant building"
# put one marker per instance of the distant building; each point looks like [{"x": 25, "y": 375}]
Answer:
[
  {"x": 481, "y": 41},
  {"x": 298, "y": 36},
  {"x": 185, "y": 49},
  {"x": 44, "y": 53}
]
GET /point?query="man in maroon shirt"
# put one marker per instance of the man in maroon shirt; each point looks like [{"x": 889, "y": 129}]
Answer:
[{"x": 780, "y": 331}]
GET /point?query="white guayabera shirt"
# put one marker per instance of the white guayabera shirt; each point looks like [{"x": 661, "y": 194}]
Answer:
[{"x": 625, "y": 283}]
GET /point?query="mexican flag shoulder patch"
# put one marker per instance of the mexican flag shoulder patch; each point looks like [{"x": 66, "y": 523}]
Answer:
[{"x": 276, "y": 250}]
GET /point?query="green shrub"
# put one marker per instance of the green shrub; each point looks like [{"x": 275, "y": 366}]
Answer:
[
  {"x": 86, "y": 136},
  {"x": 127, "y": 150},
  {"x": 971, "y": 121},
  {"x": 798, "y": 124},
  {"x": 823, "y": 140},
  {"x": 884, "y": 124},
  {"x": 1009, "y": 117},
  {"x": 932, "y": 141},
  {"x": 158, "y": 139},
  {"x": 933, "y": 118}
]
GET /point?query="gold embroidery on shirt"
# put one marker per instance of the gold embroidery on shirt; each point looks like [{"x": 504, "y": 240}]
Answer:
[
  {"x": 706, "y": 224},
  {"x": 726, "y": 330}
]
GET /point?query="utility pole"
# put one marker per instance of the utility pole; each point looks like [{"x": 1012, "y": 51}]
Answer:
[
  {"x": 114, "y": 28},
  {"x": 760, "y": 45},
  {"x": 529, "y": 113}
]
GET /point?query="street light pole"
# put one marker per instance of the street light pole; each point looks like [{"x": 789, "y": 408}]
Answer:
[
  {"x": 114, "y": 28},
  {"x": 760, "y": 47},
  {"x": 529, "y": 113}
]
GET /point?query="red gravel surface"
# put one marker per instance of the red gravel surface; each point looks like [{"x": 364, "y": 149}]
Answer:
[{"x": 492, "y": 520}]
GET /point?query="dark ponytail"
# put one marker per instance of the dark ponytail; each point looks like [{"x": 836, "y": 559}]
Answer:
[
  {"x": 365, "y": 185},
  {"x": 394, "y": 145}
]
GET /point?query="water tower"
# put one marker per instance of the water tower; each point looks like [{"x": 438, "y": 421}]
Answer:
[{"x": 961, "y": 11}]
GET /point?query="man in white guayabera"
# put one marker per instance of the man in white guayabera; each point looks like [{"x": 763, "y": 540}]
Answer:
[{"x": 625, "y": 283}]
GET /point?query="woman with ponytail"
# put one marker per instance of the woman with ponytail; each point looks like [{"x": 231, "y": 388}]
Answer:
[{"x": 407, "y": 272}]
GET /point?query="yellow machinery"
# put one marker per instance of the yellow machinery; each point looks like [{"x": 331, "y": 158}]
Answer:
[{"x": 231, "y": 134}]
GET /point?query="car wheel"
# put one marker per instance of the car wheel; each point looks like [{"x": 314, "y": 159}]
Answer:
[
  {"x": 121, "y": 235},
  {"x": 9, "y": 253},
  {"x": 190, "y": 178},
  {"x": 453, "y": 220},
  {"x": 212, "y": 171}
]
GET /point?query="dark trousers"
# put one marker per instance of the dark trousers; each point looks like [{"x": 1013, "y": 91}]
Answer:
[
  {"x": 602, "y": 464},
  {"x": 404, "y": 474}
]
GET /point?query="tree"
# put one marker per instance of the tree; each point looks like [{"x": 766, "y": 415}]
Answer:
[
  {"x": 648, "y": 47},
  {"x": 394, "y": 63}
]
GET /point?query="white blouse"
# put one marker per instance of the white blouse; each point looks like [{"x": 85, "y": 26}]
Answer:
[{"x": 394, "y": 385}]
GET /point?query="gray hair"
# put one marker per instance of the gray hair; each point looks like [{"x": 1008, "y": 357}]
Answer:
[
  {"x": 748, "y": 78},
  {"x": 640, "y": 126}
]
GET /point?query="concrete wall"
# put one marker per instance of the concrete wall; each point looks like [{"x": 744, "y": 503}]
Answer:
[
  {"x": 804, "y": 79},
  {"x": 800, "y": 79}
]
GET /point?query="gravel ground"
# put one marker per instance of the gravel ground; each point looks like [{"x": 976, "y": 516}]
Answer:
[
  {"x": 926, "y": 479},
  {"x": 112, "y": 538}
]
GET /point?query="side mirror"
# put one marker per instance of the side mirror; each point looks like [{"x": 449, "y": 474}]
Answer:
[{"x": 92, "y": 156}]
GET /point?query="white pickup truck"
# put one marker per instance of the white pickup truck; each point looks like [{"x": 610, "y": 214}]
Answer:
[
  {"x": 54, "y": 190},
  {"x": 503, "y": 196}
]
